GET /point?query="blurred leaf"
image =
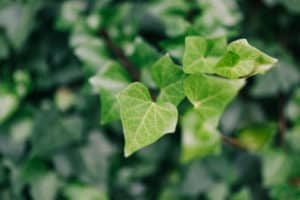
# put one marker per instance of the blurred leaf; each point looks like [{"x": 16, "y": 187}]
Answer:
[
  {"x": 8, "y": 103},
  {"x": 199, "y": 138},
  {"x": 190, "y": 184},
  {"x": 83, "y": 192},
  {"x": 143, "y": 54},
  {"x": 89, "y": 49},
  {"x": 110, "y": 80},
  {"x": 293, "y": 138},
  {"x": 281, "y": 79},
  {"x": 17, "y": 19},
  {"x": 276, "y": 168},
  {"x": 293, "y": 107},
  {"x": 285, "y": 191},
  {"x": 218, "y": 192},
  {"x": 52, "y": 133},
  {"x": 95, "y": 155},
  {"x": 243, "y": 194},
  {"x": 70, "y": 14},
  {"x": 64, "y": 98},
  {"x": 139, "y": 115},
  {"x": 45, "y": 187},
  {"x": 22, "y": 82},
  {"x": 256, "y": 136},
  {"x": 13, "y": 143},
  {"x": 176, "y": 26},
  {"x": 291, "y": 5}
]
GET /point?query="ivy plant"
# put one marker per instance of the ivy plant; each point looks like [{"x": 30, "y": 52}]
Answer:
[{"x": 209, "y": 76}]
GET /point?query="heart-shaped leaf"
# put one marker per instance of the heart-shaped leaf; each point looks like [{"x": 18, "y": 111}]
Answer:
[{"x": 143, "y": 120}]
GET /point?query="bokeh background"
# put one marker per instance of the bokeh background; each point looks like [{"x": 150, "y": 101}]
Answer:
[{"x": 52, "y": 145}]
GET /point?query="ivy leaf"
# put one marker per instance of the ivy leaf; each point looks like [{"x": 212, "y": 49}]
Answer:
[
  {"x": 45, "y": 186},
  {"x": 169, "y": 78},
  {"x": 243, "y": 194},
  {"x": 210, "y": 94},
  {"x": 16, "y": 19},
  {"x": 293, "y": 108},
  {"x": 199, "y": 138},
  {"x": 143, "y": 53},
  {"x": 84, "y": 192},
  {"x": 8, "y": 103},
  {"x": 144, "y": 121},
  {"x": 110, "y": 81},
  {"x": 202, "y": 54},
  {"x": 256, "y": 137},
  {"x": 243, "y": 60},
  {"x": 276, "y": 168}
]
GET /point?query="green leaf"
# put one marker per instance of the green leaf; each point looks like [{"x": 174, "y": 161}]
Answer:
[
  {"x": 243, "y": 194},
  {"x": 199, "y": 138},
  {"x": 8, "y": 103},
  {"x": 51, "y": 128},
  {"x": 218, "y": 192},
  {"x": 257, "y": 136},
  {"x": 144, "y": 121},
  {"x": 293, "y": 107},
  {"x": 276, "y": 168},
  {"x": 70, "y": 14},
  {"x": 243, "y": 60},
  {"x": 110, "y": 80},
  {"x": 169, "y": 78},
  {"x": 281, "y": 79},
  {"x": 45, "y": 186},
  {"x": 16, "y": 18},
  {"x": 210, "y": 95},
  {"x": 83, "y": 192},
  {"x": 143, "y": 54},
  {"x": 201, "y": 54}
]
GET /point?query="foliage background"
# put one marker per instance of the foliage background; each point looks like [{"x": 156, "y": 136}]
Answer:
[{"x": 52, "y": 145}]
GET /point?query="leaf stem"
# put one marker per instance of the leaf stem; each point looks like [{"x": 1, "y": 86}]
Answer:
[
  {"x": 120, "y": 55},
  {"x": 232, "y": 142}
]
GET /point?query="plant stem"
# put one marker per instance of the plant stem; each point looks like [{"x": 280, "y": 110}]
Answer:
[
  {"x": 232, "y": 142},
  {"x": 120, "y": 55},
  {"x": 281, "y": 120}
]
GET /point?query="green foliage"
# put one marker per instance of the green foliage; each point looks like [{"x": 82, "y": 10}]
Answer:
[{"x": 159, "y": 67}]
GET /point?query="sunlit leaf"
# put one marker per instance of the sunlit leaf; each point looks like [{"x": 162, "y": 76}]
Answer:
[{"x": 144, "y": 121}]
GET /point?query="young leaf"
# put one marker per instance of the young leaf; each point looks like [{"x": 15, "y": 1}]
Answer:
[
  {"x": 210, "y": 94},
  {"x": 144, "y": 121},
  {"x": 110, "y": 81},
  {"x": 243, "y": 60},
  {"x": 169, "y": 78},
  {"x": 202, "y": 54}
]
